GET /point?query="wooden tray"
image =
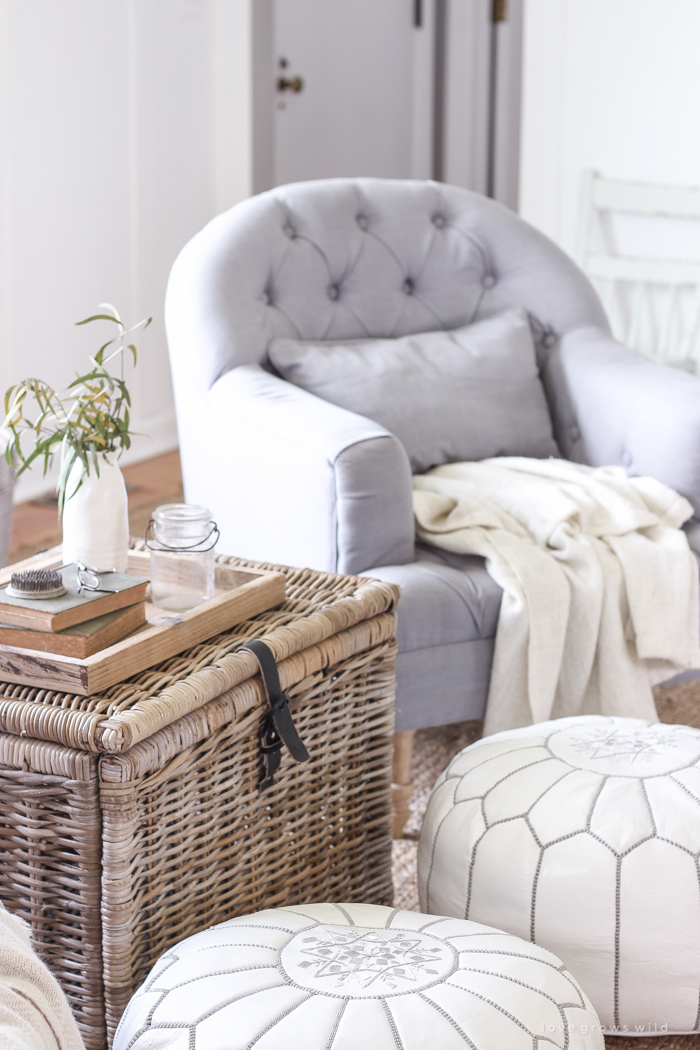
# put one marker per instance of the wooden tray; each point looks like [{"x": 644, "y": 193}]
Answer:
[{"x": 240, "y": 595}]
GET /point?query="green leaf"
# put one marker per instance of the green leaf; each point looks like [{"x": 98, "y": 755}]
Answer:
[
  {"x": 109, "y": 306},
  {"x": 99, "y": 317},
  {"x": 67, "y": 464},
  {"x": 88, "y": 420}
]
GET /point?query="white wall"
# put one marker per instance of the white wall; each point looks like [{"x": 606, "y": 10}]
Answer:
[
  {"x": 124, "y": 127},
  {"x": 609, "y": 85}
]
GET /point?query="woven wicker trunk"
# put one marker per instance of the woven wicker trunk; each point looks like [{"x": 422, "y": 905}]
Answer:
[{"x": 152, "y": 827}]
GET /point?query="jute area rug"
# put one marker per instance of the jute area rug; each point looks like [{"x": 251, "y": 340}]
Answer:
[{"x": 433, "y": 750}]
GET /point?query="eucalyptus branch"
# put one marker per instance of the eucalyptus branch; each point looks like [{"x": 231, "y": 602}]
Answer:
[{"x": 84, "y": 425}]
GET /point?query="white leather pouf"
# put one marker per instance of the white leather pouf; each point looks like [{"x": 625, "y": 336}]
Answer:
[
  {"x": 583, "y": 835},
  {"x": 357, "y": 977}
]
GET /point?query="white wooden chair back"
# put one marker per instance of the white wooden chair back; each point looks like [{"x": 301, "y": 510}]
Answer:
[{"x": 653, "y": 303}]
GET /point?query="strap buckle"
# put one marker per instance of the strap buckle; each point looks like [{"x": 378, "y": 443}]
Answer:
[{"x": 278, "y": 727}]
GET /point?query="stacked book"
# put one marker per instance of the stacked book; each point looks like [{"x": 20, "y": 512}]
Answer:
[{"x": 80, "y": 622}]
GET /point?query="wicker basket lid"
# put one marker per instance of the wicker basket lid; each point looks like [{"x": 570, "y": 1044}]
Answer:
[{"x": 319, "y": 606}]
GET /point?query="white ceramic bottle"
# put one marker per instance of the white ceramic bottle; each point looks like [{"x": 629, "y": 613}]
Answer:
[{"x": 96, "y": 518}]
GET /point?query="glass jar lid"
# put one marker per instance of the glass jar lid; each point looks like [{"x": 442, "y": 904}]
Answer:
[{"x": 182, "y": 524}]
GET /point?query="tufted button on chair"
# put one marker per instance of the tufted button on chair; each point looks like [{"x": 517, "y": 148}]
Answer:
[{"x": 294, "y": 479}]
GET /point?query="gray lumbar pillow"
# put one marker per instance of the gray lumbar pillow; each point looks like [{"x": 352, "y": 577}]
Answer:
[{"x": 467, "y": 394}]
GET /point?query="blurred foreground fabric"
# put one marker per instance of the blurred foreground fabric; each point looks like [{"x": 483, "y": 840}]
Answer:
[{"x": 34, "y": 1013}]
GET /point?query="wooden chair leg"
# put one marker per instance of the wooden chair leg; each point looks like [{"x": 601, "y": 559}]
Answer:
[{"x": 402, "y": 786}]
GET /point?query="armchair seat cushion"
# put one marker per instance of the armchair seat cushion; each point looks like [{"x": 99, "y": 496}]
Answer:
[
  {"x": 446, "y": 631},
  {"x": 445, "y": 598}
]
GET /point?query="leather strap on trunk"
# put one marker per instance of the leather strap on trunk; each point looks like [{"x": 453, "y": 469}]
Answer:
[{"x": 278, "y": 728}]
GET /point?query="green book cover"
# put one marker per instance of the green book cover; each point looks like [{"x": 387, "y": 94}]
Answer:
[{"x": 108, "y": 581}]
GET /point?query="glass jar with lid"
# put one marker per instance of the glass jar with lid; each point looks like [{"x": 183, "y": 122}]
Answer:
[{"x": 181, "y": 538}]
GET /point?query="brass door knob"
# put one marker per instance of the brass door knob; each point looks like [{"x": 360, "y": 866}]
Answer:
[{"x": 295, "y": 84}]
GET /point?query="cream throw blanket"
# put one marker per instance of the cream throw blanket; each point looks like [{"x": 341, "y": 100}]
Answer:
[
  {"x": 600, "y": 587},
  {"x": 34, "y": 1013}
]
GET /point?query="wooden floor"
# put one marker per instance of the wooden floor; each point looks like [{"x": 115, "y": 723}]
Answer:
[{"x": 36, "y": 525}]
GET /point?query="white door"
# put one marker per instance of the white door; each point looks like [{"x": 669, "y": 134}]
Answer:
[{"x": 353, "y": 89}]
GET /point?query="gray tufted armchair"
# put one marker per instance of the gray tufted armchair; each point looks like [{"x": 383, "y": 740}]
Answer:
[{"x": 294, "y": 479}]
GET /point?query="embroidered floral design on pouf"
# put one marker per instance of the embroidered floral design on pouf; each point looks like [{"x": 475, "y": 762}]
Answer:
[{"x": 369, "y": 958}]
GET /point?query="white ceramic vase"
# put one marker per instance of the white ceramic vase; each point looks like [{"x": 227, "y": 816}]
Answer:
[{"x": 95, "y": 518}]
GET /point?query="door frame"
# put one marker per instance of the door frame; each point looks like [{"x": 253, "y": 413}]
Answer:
[
  {"x": 263, "y": 94},
  {"x": 482, "y": 98}
]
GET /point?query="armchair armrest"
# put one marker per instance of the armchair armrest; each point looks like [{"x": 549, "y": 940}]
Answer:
[
  {"x": 612, "y": 405},
  {"x": 297, "y": 480}
]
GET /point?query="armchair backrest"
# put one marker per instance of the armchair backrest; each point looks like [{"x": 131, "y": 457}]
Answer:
[{"x": 347, "y": 258}]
